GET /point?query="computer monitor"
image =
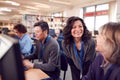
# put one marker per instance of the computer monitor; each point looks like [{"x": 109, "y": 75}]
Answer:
[{"x": 11, "y": 67}]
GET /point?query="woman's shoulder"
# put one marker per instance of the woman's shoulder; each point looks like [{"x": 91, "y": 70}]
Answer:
[
  {"x": 90, "y": 42},
  {"x": 98, "y": 59},
  {"x": 66, "y": 45},
  {"x": 99, "y": 56}
]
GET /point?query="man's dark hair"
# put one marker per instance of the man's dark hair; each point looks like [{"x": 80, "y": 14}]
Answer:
[
  {"x": 20, "y": 28},
  {"x": 43, "y": 25}
]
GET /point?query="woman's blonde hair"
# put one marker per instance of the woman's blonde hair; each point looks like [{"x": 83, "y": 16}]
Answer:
[{"x": 111, "y": 31}]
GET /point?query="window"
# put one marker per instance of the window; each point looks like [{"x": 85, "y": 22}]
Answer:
[
  {"x": 90, "y": 9},
  {"x": 95, "y": 16},
  {"x": 102, "y": 7}
]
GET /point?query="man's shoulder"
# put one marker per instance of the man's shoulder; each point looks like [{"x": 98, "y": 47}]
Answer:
[{"x": 52, "y": 42}]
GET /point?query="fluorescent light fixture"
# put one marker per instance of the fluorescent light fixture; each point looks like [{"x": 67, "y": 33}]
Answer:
[
  {"x": 61, "y": 2},
  {"x": 5, "y": 9},
  {"x": 41, "y": 5},
  {"x": 24, "y": 12},
  {"x": 13, "y": 3},
  {"x": 30, "y": 7}
]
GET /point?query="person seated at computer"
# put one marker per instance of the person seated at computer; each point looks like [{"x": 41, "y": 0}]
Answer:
[
  {"x": 24, "y": 39},
  {"x": 106, "y": 65},
  {"x": 52, "y": 34},
  {"x": 49, "y": 52}
]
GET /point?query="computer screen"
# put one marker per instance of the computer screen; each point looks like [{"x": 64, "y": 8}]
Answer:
[{"x": 11, "y": 67}]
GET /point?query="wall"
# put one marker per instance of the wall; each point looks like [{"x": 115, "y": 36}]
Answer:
[
  {"x": 4, "y": 18},
  {"x": 112, "y": 11},
  {"x": 72, "y": 12},
  {"x": 118, "y": 10},
  {"x": 75, "y": 11}
]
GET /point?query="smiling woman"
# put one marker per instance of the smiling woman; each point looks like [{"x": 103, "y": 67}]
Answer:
[{"x": 79, "y": 47}]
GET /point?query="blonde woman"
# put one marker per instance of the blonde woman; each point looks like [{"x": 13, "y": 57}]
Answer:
[{"x": 106, "y": 66}]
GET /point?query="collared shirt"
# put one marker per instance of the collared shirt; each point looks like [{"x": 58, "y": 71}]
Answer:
[
  {"x": 105, "y": 66},
  {"x": 25, "y": 44}
]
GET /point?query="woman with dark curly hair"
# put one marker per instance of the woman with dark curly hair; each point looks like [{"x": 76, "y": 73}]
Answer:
[{"x": 79, "y": 47}]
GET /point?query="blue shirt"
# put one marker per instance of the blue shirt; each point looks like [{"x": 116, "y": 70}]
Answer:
[{"x": 25, "y": 44}]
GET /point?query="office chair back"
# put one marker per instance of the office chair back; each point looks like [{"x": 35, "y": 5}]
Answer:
[
  {"x": 63, "y": 59},
  {"x": 64, "y": 64}
]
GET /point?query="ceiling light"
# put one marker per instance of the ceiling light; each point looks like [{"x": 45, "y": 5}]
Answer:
[
  {"x": 13, "y": 3},
  {"x": 41, "y": 5},
  {"x": 61, "y": 2},
  {"x": 5, "y": 9},
  {"x": 31, "y": 7}
]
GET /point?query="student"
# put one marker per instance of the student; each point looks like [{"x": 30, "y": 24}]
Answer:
[
  {"x": 52, "y": 34},
  {"x": 60, "y": 39},
  {"x": 79, "y": 47},
  {"x": 49, "y": 52},
  {"x": 24, "y": 39},
  {"x": 106, "y": 65}
]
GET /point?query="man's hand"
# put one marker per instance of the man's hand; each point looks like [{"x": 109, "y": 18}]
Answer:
[{"x": 27, "y": 63}]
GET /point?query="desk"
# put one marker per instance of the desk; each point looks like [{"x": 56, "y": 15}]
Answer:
[{"x": 35, "y": 74}]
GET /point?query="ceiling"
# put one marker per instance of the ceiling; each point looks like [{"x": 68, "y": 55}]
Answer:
[{"x": 9, "y": 8}]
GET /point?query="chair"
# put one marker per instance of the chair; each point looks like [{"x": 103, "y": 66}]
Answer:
[
  {"x": 33, "y": 49},
  {"x": 64, "y": 64},
  {"x": 35, "y": 46},
  {"x": 63, "y": 59}
]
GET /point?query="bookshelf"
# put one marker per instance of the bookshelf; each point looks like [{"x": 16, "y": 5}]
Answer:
[{"x": 53, "y": 22}]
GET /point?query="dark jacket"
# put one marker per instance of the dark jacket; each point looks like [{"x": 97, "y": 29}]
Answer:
[
  {"x": 50, "y": 58},
  {"x": 89, "y": 55},
  {"x": 96, "y": 71}
]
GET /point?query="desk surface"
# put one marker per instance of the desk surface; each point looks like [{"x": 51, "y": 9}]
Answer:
[{"x": 34, "y": 74}]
